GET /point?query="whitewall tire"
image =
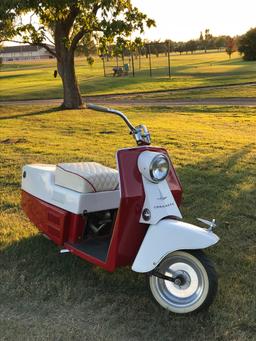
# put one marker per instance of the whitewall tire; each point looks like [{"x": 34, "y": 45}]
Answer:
[{"x": 198, "y": 287}]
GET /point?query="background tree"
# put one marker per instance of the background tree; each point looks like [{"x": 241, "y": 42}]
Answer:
[
  {"x": 230, "y": 46},
  {"x": 207, "y": 39},
  {"x": 191, "y": 46},
  {"x": 179, "y": 47},
  {"x": 247, "y": 45},
  {"x": 220, "y": 42},
  {"x": 86, "y": 47},
  {"x": 90, "y": 60},
  {"x": 65, "y": 22}
]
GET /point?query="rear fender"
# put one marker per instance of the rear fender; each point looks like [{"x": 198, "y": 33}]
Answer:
[{"x": 168, "y": 236}]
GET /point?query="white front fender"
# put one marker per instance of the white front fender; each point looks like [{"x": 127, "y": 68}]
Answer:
[{"x": 168, "y": 236}]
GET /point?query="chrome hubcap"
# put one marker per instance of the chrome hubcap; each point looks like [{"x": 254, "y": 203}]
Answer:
[
  {"x": 183, "y": 280},
  {"x": 187, "y": 288}
]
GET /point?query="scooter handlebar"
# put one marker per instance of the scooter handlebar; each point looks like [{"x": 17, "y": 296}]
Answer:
[
  {"x": 98, "y": 107},
  {"x": 140, "y": 133},
  {"x": 112, "y": 111}
]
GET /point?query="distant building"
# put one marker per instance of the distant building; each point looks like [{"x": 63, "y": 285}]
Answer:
[{"x": 24, "y": 52}]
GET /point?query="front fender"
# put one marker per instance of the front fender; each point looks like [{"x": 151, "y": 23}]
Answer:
[{"x": 167, "y": 236}]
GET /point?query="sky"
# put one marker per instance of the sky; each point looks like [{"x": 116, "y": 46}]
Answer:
[{"x": 184, "y": 19}]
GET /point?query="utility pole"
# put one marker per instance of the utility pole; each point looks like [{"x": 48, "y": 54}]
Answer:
[
  {"x": 133, "y": 73},
  {"x": 149, "y": 59},
  {"x": 169, "y": 60},
  {"x": 104, "y": 67}
]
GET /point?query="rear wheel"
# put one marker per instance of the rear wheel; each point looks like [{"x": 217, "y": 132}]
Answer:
[{"x": 195, "y": 288}]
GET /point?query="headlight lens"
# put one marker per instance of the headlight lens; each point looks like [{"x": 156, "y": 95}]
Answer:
[{"x": 159, "y": 168}]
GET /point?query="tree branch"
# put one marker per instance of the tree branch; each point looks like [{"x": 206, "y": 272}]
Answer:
[
  {"x": 95, "y": 8},
  {"x": 34, "y": 44},
  {"x": 50, "y": 40},
  {"x": 77, "y": 37},
  {"x": 83, "y": 31},
  {"x": 53, "y": 53},
  {"x": 68, "y": 22}
]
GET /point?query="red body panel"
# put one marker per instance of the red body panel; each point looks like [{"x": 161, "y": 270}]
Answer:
[
  {"x": 51, "y": 220},
  {"x": 64, "y": 227},
  {"x": 129, "y": 232}
]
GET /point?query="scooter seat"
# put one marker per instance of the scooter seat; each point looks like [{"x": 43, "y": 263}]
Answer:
[{"x": 86, "y": 177}]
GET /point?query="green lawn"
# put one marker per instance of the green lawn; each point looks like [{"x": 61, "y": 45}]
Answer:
[
  {"x": 34, "y": 79},
  {"x": 47, "y": 296},
  {"x": 227, "y": 92}
]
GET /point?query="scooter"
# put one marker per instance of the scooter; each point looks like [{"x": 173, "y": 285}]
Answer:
[{"x": 129, "y": 217}]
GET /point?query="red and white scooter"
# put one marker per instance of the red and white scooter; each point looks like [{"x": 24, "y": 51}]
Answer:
[{"x": 127, "y": 217}]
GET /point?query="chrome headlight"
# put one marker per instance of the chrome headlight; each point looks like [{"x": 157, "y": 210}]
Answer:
[
  {"x": 159, "y": 168},
  {"x": 154, "y": 166}
]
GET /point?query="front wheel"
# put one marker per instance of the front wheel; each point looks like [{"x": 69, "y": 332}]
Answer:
[{"x": 197, "y": 289}]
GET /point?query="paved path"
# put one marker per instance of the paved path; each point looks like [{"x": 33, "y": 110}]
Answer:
[{"x": 125, "y": 100}]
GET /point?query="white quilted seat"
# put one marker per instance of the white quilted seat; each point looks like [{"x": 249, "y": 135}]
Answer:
[{"x": 86, "y": 177}]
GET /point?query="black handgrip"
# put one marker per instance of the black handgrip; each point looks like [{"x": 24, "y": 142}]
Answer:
[{"x": 97, "y": 107}]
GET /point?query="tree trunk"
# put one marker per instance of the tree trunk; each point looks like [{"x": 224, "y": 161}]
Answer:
[{"x": 66, "y": 70}]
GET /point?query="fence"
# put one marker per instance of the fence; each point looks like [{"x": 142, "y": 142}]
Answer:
[{"x": 144, "y": 61}]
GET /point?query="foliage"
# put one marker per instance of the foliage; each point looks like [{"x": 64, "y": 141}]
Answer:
[
  {"x": 7, "y": 20},
  {"x": 191, "y": 46},
  {"x": 247, "y": 45},
  {"x": 65, "y": 22},
  {"x": 90, "y": 60},
  {"x": 179, "y": 47},
  {"x": 87, "y": 46},
  {"x": 207, "y": 42},
  {"x": 77, "y": 18},
  {"x": 230, "y": 46}
]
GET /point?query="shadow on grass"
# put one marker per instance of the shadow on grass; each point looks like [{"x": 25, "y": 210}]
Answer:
[
  {"x": 179, "y": 79},
  {"x": 33, "y": 268},
  {"x": 34, "y": 113},
  {"x": 16, "y": 75},
  {"x": 214, "y": 181},
  {"x": 182, "y": 76}
]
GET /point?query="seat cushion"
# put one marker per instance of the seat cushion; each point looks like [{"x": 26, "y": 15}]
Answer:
[{"x": 86, "y": 177}]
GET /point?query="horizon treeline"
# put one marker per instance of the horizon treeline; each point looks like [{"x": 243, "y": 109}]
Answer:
[{"x": 205, "y": 42}]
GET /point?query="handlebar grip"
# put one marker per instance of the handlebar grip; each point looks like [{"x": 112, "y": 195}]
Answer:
[{"x": 97, "y": 107}]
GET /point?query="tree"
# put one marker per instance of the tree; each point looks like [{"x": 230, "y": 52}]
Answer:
[
  {"x": 230, "y": 46},
  {"x": 247, "y": 45},
  {"x": 6, "y": 20},
  {"x": 65, "y": 22},
  {"x": 86, "y": 47},
  {"x": 179, "y": 47},
  {"x": 90, "y": 60},
  {"x": 207, "y": 39},
  {"x": 191, "y": 46}
]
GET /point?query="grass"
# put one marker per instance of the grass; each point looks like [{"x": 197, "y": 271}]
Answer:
[
  {"x": 32, "y": 80},
  {"x": 45, "y": 295},
  {"x": 237, "y": 91}
]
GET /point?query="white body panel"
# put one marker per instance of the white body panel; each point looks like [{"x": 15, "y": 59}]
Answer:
[
  {"x": 39, "y": 182},
  {"x": 158, "y": 196},
  {"x": 159, "y": 200},
  {"x": 168, "y": 236}
]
